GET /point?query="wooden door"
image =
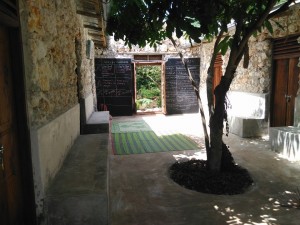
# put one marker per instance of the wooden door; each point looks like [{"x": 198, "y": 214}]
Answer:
[
  {"x": 10, "y": 174},
  {"x": 286, "y": 52},
  {"x": 285, "y": 90}
]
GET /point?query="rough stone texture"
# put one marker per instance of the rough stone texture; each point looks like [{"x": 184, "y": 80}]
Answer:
[
  {"x": 85, "y": 66},
  {"x": 49, "y": 29}
]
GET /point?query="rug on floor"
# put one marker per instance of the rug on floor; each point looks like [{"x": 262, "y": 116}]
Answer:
[
  {"x": 150, "y": 142},
  {"x": 129, "y": 126}
]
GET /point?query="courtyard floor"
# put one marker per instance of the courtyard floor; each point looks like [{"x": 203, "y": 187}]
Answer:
[{"x": 94, "y": 186}]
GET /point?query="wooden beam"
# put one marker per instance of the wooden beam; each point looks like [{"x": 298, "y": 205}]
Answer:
[
  {"x": 99, "y": 8},
  {"x": 94, "y": 15},
  {"x": 96, "y": 42},
  {"x": 98, "y": 35},
  {"x": 93, "y": 27}
]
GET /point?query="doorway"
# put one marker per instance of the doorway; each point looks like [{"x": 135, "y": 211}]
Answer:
[
  {"x": 10, "y": 176},
  {"x": 148, "y": 88},
  {"x": 149, "y": 84},
  {"x": 286, "y": 54}
]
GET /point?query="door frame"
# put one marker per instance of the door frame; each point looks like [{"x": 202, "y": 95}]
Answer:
[
  {"x": 162, "y": 83},
  {"x": 9, "y": 17}
]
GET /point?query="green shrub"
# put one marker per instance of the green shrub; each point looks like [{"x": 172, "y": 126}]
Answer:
[
  {"x": 148, "y": 83},
  {"x": 143, "y": 103}
]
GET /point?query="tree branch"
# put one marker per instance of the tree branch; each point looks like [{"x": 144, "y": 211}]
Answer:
[
  {"x": 197, "y": 92},
  {"x": 254, "y": 27}
]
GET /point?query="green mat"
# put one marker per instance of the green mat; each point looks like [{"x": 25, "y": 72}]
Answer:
[
  {"x": 129, "y": 126},
  {"x": 148, "y": 142}
]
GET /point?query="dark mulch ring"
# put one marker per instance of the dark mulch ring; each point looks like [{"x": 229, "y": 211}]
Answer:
[{"x": 194, "y": 175}]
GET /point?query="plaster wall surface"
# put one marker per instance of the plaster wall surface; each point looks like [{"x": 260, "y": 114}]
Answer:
[
  {"x": 89, "y": 106},
  {"x": 50, "y": 145}
]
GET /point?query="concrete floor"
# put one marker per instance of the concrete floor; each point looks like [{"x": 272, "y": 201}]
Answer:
[
  {"x": 141, "y": 193},
  {"x": 78, "y": 194}
]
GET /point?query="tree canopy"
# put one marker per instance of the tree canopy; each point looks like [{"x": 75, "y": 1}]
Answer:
[{"x": 141, "y": 22}]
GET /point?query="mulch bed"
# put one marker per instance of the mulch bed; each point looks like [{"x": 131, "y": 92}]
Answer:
[{"x": 194, "y": 175}]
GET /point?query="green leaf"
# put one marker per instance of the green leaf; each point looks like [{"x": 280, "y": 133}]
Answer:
[
  {"x": 223, "y": 45},
  {"x": 269, "y": 26}
]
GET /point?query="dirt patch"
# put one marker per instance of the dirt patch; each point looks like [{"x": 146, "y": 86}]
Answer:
[{"x": 194, "y": 175}]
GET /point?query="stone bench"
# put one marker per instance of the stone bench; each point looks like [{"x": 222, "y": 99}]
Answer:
[
  {"x": 97, "y": 123},
  {"x": 286, "y": 141},
  {"x": 92, "y": 122},
  {"x": 247, "y": 114},
  {"x": 247, "y": 127}
]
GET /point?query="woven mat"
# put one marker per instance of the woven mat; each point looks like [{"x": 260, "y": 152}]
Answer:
[
  {"x": 148, "y": 142},
  {"x": 129, "y": 126}
]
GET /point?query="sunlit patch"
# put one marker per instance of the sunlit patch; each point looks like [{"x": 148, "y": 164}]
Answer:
[
  {"x": 265, "y": 137},
  {"x": 288, "y": 200},
  {"x": 199, "y": 155},
  {"x": 236, "y": 218},
  {"x": 228, "y": 209}
]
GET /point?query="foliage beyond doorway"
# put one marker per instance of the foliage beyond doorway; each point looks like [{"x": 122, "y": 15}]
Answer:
[{"x": 148, "y": 86}]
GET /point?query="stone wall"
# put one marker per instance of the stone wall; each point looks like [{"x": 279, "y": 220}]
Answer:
[
  {"x": 85, "y": 66},
  {"x": 57, "y": 74},
  {"x": 49, "y": 29}
]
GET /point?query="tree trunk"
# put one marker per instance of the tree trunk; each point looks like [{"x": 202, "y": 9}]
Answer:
[{"x": 216, "y": 129}]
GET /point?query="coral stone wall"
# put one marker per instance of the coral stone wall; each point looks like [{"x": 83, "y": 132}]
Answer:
[
  {"x": 49, "y": 29},
  {"x": 85, "y": 66}
]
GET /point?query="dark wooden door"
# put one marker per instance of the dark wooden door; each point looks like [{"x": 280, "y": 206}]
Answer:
[
  {"x": 286, "y": 53},
  {"x": 10, "y": 176},
  {"x": 285, "y": 90}
]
